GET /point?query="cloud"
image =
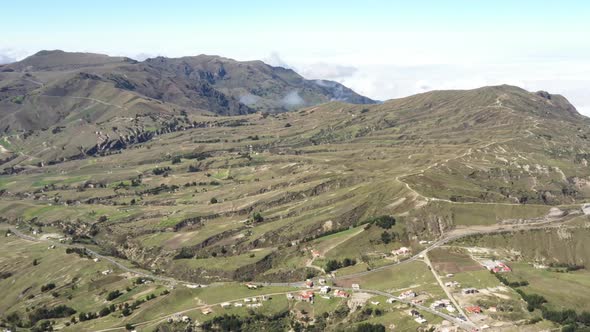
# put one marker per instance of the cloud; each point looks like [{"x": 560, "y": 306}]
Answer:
[
  {"x": 292, "y": 99},
  {"x": 249, "y": 99},
  {"x": 6, "y": 59},
  {"x": 275, "y": 60},
  {"x": 326, "y": 71}
]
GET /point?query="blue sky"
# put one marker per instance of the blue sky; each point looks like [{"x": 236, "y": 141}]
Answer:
[{"x": 384, "y": 49}]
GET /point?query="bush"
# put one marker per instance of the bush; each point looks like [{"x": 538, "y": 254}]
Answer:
[
  {"x": 368, "y": 327},
  {"x": 60, "y": 311},
  {"x": 47, "y": 287},
  {"x": 113, "y": 295},
  {"x": 257, "y": 217},
  {"x": 213, "y": 200}
]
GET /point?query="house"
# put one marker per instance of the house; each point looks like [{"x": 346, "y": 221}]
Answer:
[
  {"x": 450, "y": 308},
  {"x": 407, "y": 294},
  {"x": 96, "y": 260},
  {"x": 390, "y": 300},
  {"x": 247, "y": 300},
  {"x": 450, "y": 275},
  {"x": 451, "y": 284},
  {"x": 206, "y": 311},
  {"x": 238, "y": 305},
  {"x": 356, "y": 286},
  {"x": 401, "y": 251},
  {"x": 415, "y": 313},
  {"x": 322, "y": 281},
  {"x": 375, "y": 302},
  {"x": 496, "y": 266},
  {"x": 192, "y": 286},
  {"x": 341, "y": 293},
  {"x": 439, "y": 304},
  {"x": 315, "y": 253},
  {"x": 107, "y": 272},
  {"x": 473, "y": 309},
  {"x": 420, "y": 320},
  {"x": 493, "y": 309},
  {"x": 324, "y": 289},
  {"x": 467, "y": 291},
  {"x": 185, "y": 319},
  {"x": 309, "y": 283},
  {"x": 306, "y": 296},
  {"x": 251, "y": 286},
  {"x": 225, "y": 305},
  {"x": 264, "y": 298},
  {"x": 290, "y": 296},
  {"x": 51, "y": 246}
]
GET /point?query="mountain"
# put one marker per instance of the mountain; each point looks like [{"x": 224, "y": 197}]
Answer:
[
  {"x": 52, "y": 88},
  {"x": 332, "y": 191}
]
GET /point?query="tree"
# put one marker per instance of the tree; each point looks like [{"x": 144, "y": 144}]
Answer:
[
  {"x": 129, "y": 327},
  {"x": 257, "y": 217},
  {"x": 385, "y": 237},
  {"x": 368, "y": 327},
  {"x": 213, "y": 200}
]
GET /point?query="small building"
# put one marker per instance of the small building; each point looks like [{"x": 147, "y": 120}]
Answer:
[
  {"x": 451, "y": 284},
  {"x": 473, "y": 309},
  {"x": 305, "y": 296},
  {"x": 356, "y": 286},
  {"x": 51, "y": 246},
  {"x": 206, "y": 311},
  {"x": 247, "y": 300},
  {"x": 407, "y": 294},
  {"x": 450, "y": 308},
  {"x": 467, "y": 291},
  {"x": 251, "y": 286},
  {"x": 324, "y": 289},
  {"x": 185, "y": 319},
  {"x": 96, "y": 260},
  {"x": 309, "y": 283},
  {"x": 192, "y": 286},
  {"x": 375, "y": 302},
  {"x": 415, "y": 313},
  {"x": 322, "y": 281},
  {"x": 401, "y": 251},
  {"x": 107, "y": 272},
  {"x": 225, "y": 305},
  {"x": 315, "y": 253},
  {"x": 420, "y": 320},
  {"x": 238, "y": 304},
  {"x": 290, "y": 296},
  {"x": 390, "y": 300},
  {"x": 341, "y": 293}
]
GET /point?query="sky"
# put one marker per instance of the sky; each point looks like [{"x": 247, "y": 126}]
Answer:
[{"x": 381, "y": 49}]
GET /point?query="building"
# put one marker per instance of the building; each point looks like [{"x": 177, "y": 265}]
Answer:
[
  {"x": 290, "y": 296},
  {"x": 206, "y": 311},
  {"x": 407, "y": 294},
  {"x": 341, "y": 293},
  {"x": 466, "y": 291},
  {"x": 251, "y": 286},
  {"x": 322, "y": 281},
  {"x": 473, "y": 309},
  {"x": 390, "y": 300},
  {"x": 306, "y": 296},
  {"x": 238, "y": 305},
  {"x": 496, "y": 266},
  {"x": 309, "y": 283},
  {"x": 356, "y": 286},
  {"x": 315, "y": 253},
  {"x": 401, "y": 251},
  {"x": 324, "y": 289},
  {"x": 225, "y": 305}
]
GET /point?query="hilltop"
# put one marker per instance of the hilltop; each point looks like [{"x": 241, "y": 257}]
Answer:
[{"x": 54, "y": 88}]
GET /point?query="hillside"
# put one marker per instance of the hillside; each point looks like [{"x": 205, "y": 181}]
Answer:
[
  {"x": 54, "y": 88},
  {"x": 246, "y": 197}
]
